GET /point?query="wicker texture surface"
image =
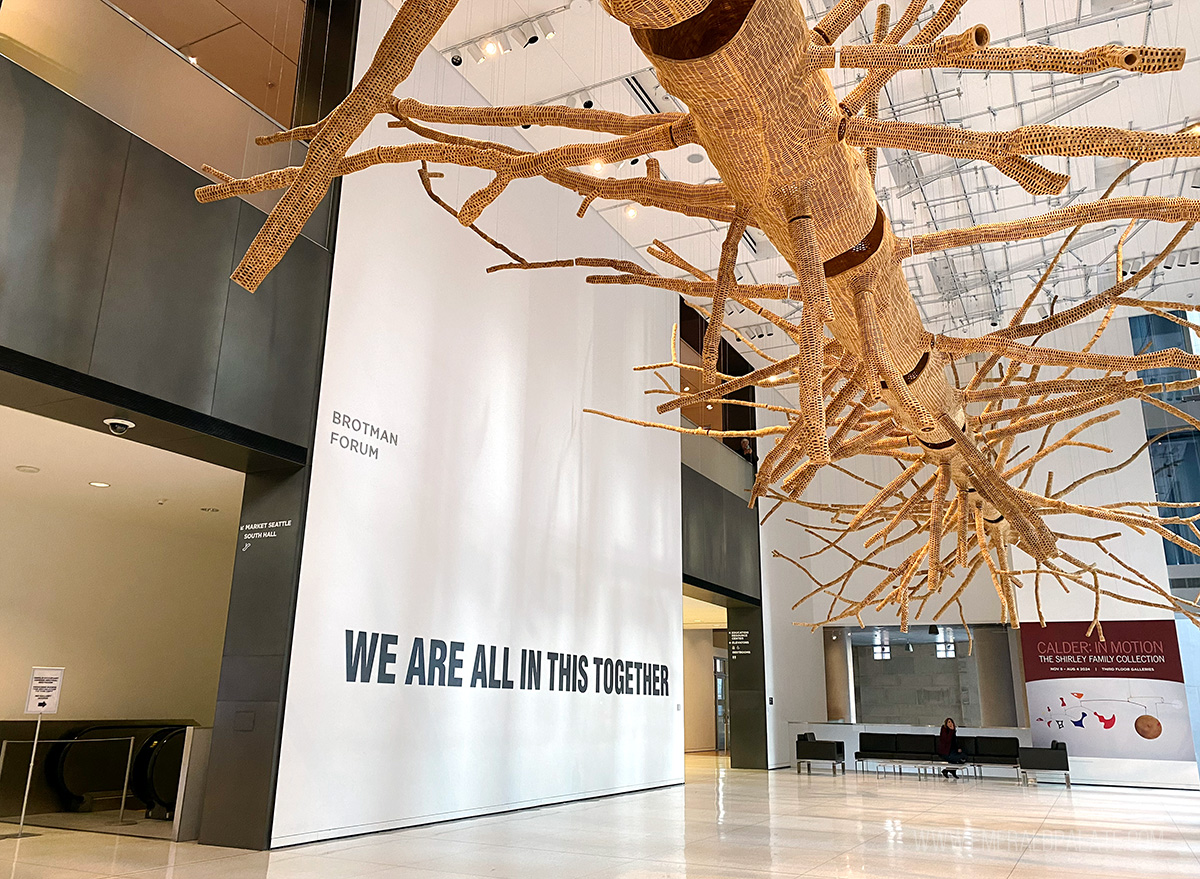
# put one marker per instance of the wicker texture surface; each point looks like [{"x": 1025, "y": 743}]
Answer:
[{"x": 869, "y": 379}]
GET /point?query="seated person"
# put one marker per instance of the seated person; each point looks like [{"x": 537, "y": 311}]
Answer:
[{"x": 949, "y": 749}]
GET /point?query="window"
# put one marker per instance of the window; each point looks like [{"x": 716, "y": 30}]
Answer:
[
  {"x": 1152, "y": 332},
  {"x": 945, "y": 643},
  {"x": 882, "y": 648}
]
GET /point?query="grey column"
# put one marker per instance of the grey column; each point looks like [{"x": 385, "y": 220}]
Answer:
[
  {"x": 747, "y": 689},
  {"x": 239, "y": 798}
]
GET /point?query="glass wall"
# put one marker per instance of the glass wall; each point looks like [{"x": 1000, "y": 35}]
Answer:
[
  {"x": 1174, "y": 455},
  {"x": 929, "y": 673},
  {"x": 252, "y": 46}
]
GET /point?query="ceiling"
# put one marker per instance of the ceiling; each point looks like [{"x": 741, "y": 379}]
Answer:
[
  {"x": 699, "y": 614},
  {"x": 147, "y": 487},
  {"x": 971, "y": 288}
]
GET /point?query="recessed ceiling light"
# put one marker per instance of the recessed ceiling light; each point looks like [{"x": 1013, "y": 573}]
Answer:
[
  {"x": 192, "y": 59},
  {"x": 99, "y": 484},
  {"x": 209, "y": 510},
  {"x": 709, "y": 406},
  {"x": 28, "y": 468}
]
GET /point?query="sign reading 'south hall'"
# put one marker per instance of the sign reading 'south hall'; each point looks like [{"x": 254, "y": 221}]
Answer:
[{"x": 1120, "y": 697}]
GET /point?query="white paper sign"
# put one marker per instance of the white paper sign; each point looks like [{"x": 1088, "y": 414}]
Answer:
[{"x": 45, "y": 685}]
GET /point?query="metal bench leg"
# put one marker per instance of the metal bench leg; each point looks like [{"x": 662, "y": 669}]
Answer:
[{"x": 1067, "y": 776}]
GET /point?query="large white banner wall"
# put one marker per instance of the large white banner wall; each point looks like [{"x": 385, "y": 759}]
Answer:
[{"x": 489, "y": 611}]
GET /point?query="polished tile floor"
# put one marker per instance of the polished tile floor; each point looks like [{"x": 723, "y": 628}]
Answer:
[{"x": 721, "y": 825}]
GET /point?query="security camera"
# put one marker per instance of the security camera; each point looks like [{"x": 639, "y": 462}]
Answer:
[
  {"x": 119, "y": 426},
  {"x": 456, "y": 60}
]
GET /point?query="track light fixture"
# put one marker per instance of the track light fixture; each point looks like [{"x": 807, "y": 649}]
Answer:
[
  {"x": 524, "y": 35},
  {"x": 585, "y": 100}
]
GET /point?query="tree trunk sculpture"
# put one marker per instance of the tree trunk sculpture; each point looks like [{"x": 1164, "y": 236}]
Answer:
[{"x": 799, "y": 165}]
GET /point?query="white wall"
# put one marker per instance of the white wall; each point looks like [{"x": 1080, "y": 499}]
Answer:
[
  {"x": 794, "y": 654},
  {"x": 1123, "y": 434},
  {"x": 503, "y": 516},
  {"x": 135, "y": 613}
]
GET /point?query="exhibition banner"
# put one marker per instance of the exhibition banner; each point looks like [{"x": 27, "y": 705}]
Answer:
[{"x": 1121, "y": 696}]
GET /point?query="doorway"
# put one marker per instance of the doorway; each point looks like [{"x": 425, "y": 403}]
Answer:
[
  {"x": 705, "y": 677},
  {"x": 721, "y": 690},
  {"x": 118, "y": 568}
]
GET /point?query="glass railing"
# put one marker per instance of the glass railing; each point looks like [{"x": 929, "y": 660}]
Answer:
[{"x": 105, "y": 59}]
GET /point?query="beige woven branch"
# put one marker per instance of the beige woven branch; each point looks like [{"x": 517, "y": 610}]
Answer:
[
  {"x": 877, "y": 79},
  {"x": 1164, "y": 210},
  {"x": 883, "y": 14},
  {"x": 553, "y": 115},
  {"x": 835, "y": 22}
]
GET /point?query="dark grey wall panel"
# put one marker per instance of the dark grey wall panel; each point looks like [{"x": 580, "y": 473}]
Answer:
[
  {"x": 164, "y": 301},
  {"x": 267, "y": 375},
  {"x": 61, "y": 167},
  {"x": 747, "y": 689},
  {"x": 110, "y": 268},
  {"x": 720, "y": 537},
  {"x": 240, "y": 792}
]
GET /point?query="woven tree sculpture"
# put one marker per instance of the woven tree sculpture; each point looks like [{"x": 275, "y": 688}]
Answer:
[{"x": 799, "y": 165}]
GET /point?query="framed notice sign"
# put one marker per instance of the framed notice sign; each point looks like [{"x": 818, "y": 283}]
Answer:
[{"x": 45, "y": 686}]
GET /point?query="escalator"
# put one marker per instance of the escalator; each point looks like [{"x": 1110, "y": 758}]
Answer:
[{"x": 88, "y": 772}]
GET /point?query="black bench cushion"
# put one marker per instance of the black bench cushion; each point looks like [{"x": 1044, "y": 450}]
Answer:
[
  {"x": 1051, "y": 758},
  {"x": 876, "y": 745},
  {"x": 967, "y": 743},
  {"x": 833, "y": 752},
  {"x": 918, "y": 747},
  {"x": 997, "y": 749}
]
